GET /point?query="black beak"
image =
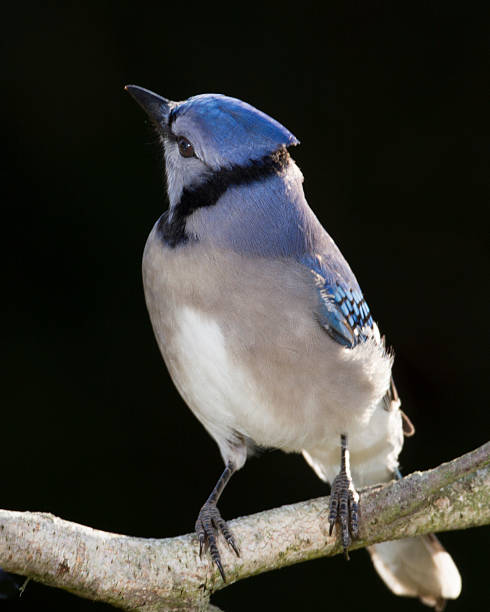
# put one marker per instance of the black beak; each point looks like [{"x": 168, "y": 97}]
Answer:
[{"x": 156, "y": 107}]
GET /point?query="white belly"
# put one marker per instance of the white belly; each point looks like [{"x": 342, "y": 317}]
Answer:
[
  {"x": 225, "y": 398},
  {"x": 217, "y": 390}
]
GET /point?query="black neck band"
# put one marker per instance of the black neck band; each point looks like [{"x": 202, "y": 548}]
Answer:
[{"x": 212, "y": 188}]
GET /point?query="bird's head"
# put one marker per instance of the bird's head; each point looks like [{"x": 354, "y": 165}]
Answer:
[{"x": 209, "y": 133}]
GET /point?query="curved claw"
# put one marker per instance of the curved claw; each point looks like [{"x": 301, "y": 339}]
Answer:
[
  {"x": 209, "y": 523},
  {"x": 344, "y": 507},
  {"x": 221, "y": 525}
]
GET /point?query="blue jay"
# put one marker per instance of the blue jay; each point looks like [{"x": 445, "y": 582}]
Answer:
[{"x": 264, "y": 328}]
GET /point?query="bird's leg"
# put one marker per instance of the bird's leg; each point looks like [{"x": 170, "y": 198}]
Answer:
[
  {"x": 209, "y": 522},
  {"x": 344, "y": 500}
]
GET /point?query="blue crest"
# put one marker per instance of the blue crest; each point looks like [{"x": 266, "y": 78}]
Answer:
[{"x": 234, "y": 130}]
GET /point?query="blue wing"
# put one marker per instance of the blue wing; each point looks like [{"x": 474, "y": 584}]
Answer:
[{"x": 342, "y": 309}]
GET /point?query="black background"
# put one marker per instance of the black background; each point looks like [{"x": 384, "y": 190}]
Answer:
[{"x": 390, "y": 104}]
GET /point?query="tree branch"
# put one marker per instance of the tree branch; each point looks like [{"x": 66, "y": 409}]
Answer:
[{"x": 149, "y": 574}]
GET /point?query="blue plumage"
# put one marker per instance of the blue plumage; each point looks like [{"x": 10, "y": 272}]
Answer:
[
  {"x": 270, "y": 217},
  {"x": 262, "y": 209},
  {"x": 342, "y": 309},
  {"x": 231, "y": 128},
  {"x": 276, "y": 221}
]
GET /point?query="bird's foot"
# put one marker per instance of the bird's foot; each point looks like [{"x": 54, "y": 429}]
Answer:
[
  {"x": 344, "y": 508},
  {"x": 208, "y": 525}
]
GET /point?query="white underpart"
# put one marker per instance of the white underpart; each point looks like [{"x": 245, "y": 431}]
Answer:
[
  {"x": 225, "y": 399},
  {"x": 216, "y": 389},
  {"x": 373, "y": 450}
]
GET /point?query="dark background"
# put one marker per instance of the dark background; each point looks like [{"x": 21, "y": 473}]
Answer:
[{"x": 391, "y": 106}]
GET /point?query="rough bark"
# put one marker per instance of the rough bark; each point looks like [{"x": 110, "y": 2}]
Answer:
[{"x": 148, "y": 574}]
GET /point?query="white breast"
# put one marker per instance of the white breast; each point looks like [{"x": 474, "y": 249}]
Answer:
[{"x": 216, "y": 388}]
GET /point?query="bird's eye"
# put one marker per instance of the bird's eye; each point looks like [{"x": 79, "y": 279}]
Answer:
[{"x": 185, "y": 147}]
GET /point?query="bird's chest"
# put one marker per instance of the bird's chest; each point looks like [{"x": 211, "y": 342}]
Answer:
[
  {"x": 186, "y": 298},
  {"x": 246, "y": 353}
]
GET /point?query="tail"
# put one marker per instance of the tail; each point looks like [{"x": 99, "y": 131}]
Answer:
[
  {"x": 415, "y": 567},
  {"x": 418, "y": 567}
]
